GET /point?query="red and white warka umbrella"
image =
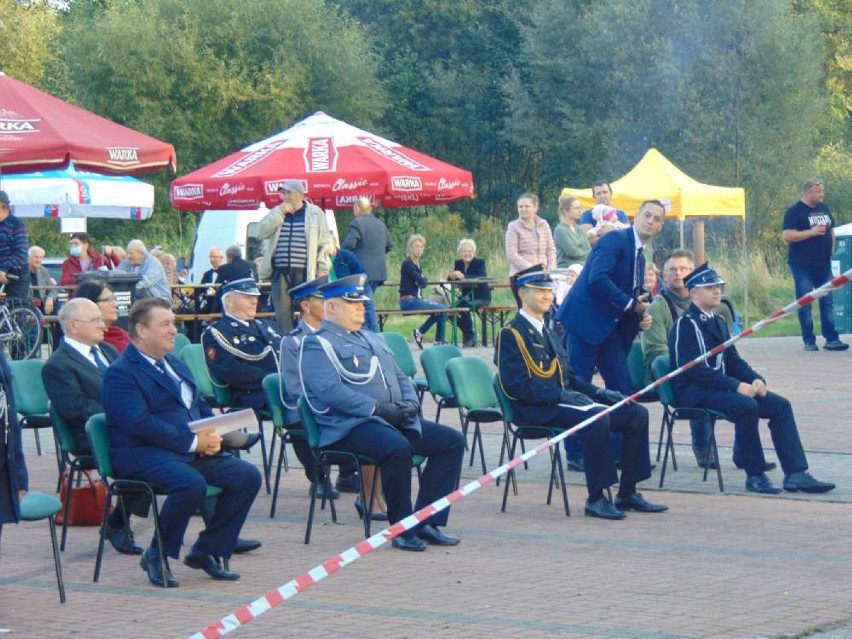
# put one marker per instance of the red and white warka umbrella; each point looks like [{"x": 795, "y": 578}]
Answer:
[
  {"x": 39, "y": 132},
  {"x": 335, "y": 161}
]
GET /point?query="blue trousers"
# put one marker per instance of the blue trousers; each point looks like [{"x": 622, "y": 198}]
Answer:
[
  {"x": 806, "y": 279},
  {"x": 746, "y": 412},
  {"x": 417, "y": 304},
  {"x": 186, "y": 484},
  {"x": 442, "y": 446}
]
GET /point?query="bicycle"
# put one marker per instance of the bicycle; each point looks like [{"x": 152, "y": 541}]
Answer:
[{"x": 20, "y": 326}]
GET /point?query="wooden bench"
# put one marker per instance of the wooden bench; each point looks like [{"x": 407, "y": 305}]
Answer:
[
  {"x": 382, "y": 314},
  {"x": 495, "y": 317}
]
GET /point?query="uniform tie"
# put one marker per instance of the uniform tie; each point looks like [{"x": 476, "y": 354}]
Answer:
[
  {"x": 161, "y": 364},
  {"x": 99, "y": 360}
]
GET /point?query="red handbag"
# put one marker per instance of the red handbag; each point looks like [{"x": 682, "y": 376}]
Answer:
[{"x": 87, "y": 501}]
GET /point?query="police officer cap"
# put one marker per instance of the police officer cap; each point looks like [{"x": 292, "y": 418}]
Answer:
[
  {"x": 703, "y": 275},
  {"x": 293, "y": 185},
  {"x": 308, "y": 289},
  {"x": 350, "y": 288},
  {"x": 4, "y": 198},
  {"x": 246, "y": 286},
  {"x": 534, "y": 277}
]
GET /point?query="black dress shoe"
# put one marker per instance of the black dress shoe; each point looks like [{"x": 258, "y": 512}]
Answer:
[
  {"x": 377, "y": 515},
  {"x": 434, "y": 537},
  {"x": 603, "y": 508},
  {"x": 150, "y": 562},
  {"x": 804, "y": 482},
  {"x": 769, "y": 465},
  {"x": 122, "y": 540},
  {"x": 246, "y": 545},
  {"x": 348, "y": 484},
  {"x": 322, "y": 493},
  {"x": 209, "y": 564},
  {"x": 638, "y": 503},
  {"x": 409, "y": 543},
  {"x": 761, "y": 484}
]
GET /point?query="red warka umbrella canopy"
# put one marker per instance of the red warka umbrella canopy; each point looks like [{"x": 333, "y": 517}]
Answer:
[
  {"x": 336, "y": 162},
  {"x": 39, "y": 132}
]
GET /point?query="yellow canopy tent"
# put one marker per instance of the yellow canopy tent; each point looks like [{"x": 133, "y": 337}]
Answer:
[{"x": 655, "y": 178}]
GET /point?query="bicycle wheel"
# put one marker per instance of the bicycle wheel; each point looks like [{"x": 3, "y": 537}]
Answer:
[{"x": 23, "y": 340}]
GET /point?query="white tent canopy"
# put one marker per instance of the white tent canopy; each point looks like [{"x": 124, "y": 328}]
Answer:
[{"x": 72, "y": 193}]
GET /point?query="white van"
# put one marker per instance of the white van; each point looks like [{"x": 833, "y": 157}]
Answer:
[{"x": 224, "y": 229}]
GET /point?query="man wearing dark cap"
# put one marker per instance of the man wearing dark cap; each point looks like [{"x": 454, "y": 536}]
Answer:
[
  {"x": 311, "y": 313},
  {"x": 364, "y": 404},
  {"x": 14, "y": 244},
  {"x": 727, "y": 384},
  {"x": 535, "y": 375},
  {"x": 296, "y": 243}
]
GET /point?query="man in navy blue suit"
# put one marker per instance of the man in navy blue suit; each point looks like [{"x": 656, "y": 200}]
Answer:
[
  {"x": 605, "y": 308},
  {"x": 149, "y": 399}
]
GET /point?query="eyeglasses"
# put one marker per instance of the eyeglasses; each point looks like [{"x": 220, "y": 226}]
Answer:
[
  {"x": 94, "y": 320},
  {"x": 107, "y": 300}
]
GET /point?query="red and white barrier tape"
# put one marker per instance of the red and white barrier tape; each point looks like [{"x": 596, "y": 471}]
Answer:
[{"x": 289, "y": 590}]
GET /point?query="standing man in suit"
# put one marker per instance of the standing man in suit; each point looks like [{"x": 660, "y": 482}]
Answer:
[
  {"x": 536, "y": 377},
  {"x": 364, "y": 404},
  {"x": 207, "y": 300},
  {"x": 370, "y": 240},
  {"x": 150, "y": 398},
  {"x": 73, "y": 378},
  {"x": 726, "y": 383}
]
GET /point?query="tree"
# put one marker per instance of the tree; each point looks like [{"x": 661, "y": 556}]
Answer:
[{"x": 28, "y": 31}]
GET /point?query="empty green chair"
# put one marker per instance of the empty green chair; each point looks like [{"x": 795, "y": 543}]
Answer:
[
  {"x": 273, "y": 386},
  {"x": 30, "y": 398},
  {"x": 35, "y": 507},
  {"x": 434, "y": 362}
]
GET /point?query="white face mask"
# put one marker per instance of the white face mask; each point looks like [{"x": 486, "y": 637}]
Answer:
[{"x": 76, "y": 251}]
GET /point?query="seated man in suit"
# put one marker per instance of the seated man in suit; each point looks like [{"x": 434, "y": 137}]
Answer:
[
  {"x": 726, "y": 383},
  {"x": 73, "y": 378},
  {"x": 150, "y": 399},
  {"x": 544, "y": 391},
  {"x": 365, "y": 404}
]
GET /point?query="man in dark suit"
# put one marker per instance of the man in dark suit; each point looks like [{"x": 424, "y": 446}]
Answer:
[
  {"x": 73, "y": 378},
  {"x": 207, "y": 299},
  {"x": 537, "y": 378},
  {"x": 370, "y": 240},
  {"x": 365, "y": 404},
  {"x": 605, "y": 308},
  {"x": 150, "y": 399},
  {"x": 726, "y": 383}
]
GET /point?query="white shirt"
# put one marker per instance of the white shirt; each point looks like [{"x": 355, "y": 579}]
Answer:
[
  {"x": 537, "y": 323},
  {"x": 85, "y": 350}
]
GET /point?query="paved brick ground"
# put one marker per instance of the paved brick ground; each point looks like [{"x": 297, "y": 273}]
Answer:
[{"x": 715, "y": 565}]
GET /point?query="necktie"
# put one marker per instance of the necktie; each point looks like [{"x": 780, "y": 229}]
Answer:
[
  {"x": 639, "y": 274},
  {"x": 165, "y": 371},
  {"x": 99, "y": 359}
]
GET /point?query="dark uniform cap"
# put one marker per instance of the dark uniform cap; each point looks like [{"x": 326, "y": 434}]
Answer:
[
  {"x": 703, "y": 275},
  {"x": 307, "y": 289},
  {"x": 534, "y": 277},
  {"x": 350, "y": 288},
  {"x": 246, "y": 286}
]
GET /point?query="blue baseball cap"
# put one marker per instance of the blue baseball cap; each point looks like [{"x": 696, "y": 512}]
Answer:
[
  {"x": 350, "y": 288},
  {"x": 308, "y": 289},
  {"x": 246, "y": 286},
  {"x": 534, "y": 277},
  {"x": 704, "y": 275}
]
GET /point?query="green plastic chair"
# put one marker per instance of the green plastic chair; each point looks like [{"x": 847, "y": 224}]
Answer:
[
  {"x": 434, "y": 362},
  {"x": 519, "y": 433},
  {"x": 118, "y": 487},
  {"x": 71, "y": 459},
  {"x": 636, "y": 366},
  {"x": 181, "y": 342},
  {"x": 31, "y": 399},
  {"x": 661, "y": 366},
  {"x": 405, "y": 360},
  {"x": 470, "y": 380},
  {"x": 273, "y": 386},
  {"x": 35, "y": 507}
]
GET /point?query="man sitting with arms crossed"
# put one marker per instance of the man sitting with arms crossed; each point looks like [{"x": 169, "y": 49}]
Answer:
[
  {"x": 150, "y": 398},
  {"x": 537, "y": 378},
  {"x": 364, "y": 404},
  {"x": 73, "y": 378},
  {"x": 726, "y": 383}
]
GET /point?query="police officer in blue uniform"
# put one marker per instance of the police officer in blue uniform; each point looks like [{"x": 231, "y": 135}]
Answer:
[
  {"x": 727, "y": 384},
  {"x": 365, "y": 404},
  {"x": 544, "y": 390},
  {"x": 308, "y": 300}
]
